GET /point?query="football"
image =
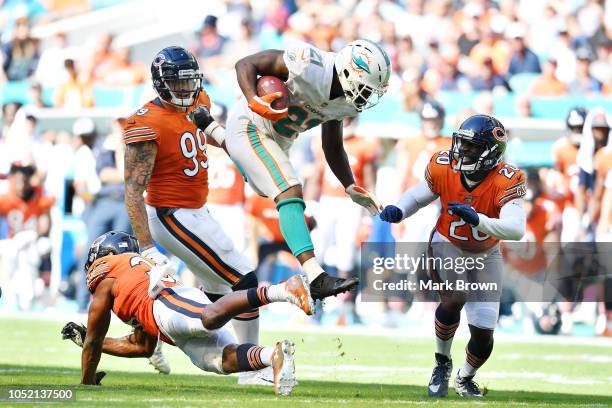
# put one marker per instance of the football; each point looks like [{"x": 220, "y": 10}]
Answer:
[{"x": 270, "y": 84}]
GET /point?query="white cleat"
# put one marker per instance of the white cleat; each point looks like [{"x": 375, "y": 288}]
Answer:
[
  {"x": 283, "y": 365},
  {"x": 298, "y": 293},
  {"x": 265, "y": 376},
  {"x": 158, "y": 360}
]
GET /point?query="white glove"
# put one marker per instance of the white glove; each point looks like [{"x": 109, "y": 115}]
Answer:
[
  {"x": 158, "y": 275},
  {"x": 364, "y": 198},
  {"x": 155, "y": 255}
]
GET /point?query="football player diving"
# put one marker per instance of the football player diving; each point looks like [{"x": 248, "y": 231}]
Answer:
[{"x": 118, "y": 277}]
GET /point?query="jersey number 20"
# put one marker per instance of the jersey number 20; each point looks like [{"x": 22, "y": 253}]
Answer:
[{"x": 190, "y": 145}]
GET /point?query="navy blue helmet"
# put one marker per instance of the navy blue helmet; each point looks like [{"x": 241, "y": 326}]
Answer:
[
  {"x": 176, "y": 76},
  {"x": 111, "y": 243},
  {"x": 478, "y": 144}
]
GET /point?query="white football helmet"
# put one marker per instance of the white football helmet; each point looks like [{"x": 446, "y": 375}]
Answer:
[{"x": 363, "y": 68}]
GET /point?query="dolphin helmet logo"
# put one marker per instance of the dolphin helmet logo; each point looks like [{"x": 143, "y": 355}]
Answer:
[{"x": 360, "y": 62}]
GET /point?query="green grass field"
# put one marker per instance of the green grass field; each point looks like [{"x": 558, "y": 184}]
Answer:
[{"x": 333, "y": 370}]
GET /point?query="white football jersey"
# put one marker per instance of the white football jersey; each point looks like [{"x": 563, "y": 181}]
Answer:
[{"x": 309, "y": 83}]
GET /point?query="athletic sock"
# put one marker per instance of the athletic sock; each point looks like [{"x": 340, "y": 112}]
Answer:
[
  {"x": 293, "y": 225},
  {"x": 446, "y": 326},
  {"x": 251, "y": 357},
  {"x": 277, "y": 293},
  {"x": 258, "y": 297},
  {"x": 476, "y": 354},
  {"x": 312, "y": 269},
  {"x": 246, "y": 327}
]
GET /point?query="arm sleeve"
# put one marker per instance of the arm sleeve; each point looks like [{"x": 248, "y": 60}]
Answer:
[
  {"x": 511, "y": 222},
  {"x": 416, "y": 198}
]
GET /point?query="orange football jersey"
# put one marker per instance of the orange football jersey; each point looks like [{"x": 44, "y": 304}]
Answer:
[
  {"x": 132, "y": 303},
  {"x": 225, "y": 183},
  {"x": 180, "y": 173},
  {"x": 503, "y": 184},
  {"x": 564, "y": 155},
  {"x": 23, "y": 215}
]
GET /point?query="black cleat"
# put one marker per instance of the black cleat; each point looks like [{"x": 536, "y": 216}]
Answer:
[
  {"x": 466, "y": 387},
  {"x": 438, "y": 385},
  {"x": 325, "y": 286}
]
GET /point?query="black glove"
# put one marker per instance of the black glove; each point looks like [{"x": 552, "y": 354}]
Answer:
[
  {"x": 201, "y": 117},
  {"x": 99, "y": 376},
  {"x": 75, "y": 332}
]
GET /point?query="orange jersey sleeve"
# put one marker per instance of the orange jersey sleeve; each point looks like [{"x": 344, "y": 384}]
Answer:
[
  {"x": 180, "y": 171},
  {"x": 436, "y": 171}
]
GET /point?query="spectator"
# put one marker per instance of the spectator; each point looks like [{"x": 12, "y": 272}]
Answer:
[
  {"x": 547, "y": 83},
  {"x": 488, "y": 80},
  {"x": 26, "y": 251},
  {"x": 123, "y": 72},
  {"x": 102, "y": 59},
  {"x": 76, "y": 92},
  {"x": 523, "y": 60},
  {"x": 20, "y": 56},
  {"x": 210, "y": 43},
  {"x": 522, "y": 106},
  {"x": 584, "y": 82}
]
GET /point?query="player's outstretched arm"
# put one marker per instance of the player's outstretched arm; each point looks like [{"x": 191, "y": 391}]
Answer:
[
  {"x": 411, "y": 201},
  {"x": 97, "y": 326},
  {"x": 335, "y": 155},
  {"x": 139, "y": 161}
]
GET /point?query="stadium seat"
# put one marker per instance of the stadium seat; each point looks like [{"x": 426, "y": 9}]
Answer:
[
  {"x": 15, "y": 91},
  {"x": 110, "y": 97}
]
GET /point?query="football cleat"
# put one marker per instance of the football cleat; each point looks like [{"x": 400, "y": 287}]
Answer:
[
  {"x": 325, "y": 286},
  {"x": 283, "y": 366},
  {"x": 438, "y": 384},
  {"x": 265, "y": 376},
  {"x": 158, "y": 360},
  {"x": 298, "y": 293},
  {"x": 466, "y": 387}
]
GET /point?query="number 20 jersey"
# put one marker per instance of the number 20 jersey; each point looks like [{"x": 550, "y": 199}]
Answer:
[
  {"x": 180, "y": 172},
  {"x": 504, "y": 183},
  {"x": 310, "y": 78}
]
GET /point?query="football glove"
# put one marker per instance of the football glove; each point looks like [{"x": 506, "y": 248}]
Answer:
[
  {"x": 465, "y": 212},
  {"x": 99, "y": 376},
  {"x": 263, "y": 107},
  {"x": 204, "y": 121},
  {"x": 157, "y": 257},
  {"x": 75, "y": 332},
  {"x": 392, "y": 213},
  {"x": 156, "y": 276},
  {"x": 364, "y": 198}
]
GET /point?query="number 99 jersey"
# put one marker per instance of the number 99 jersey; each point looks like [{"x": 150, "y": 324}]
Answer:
[
  {"x": 504, "y": 183},
  {"x": 180, "y": 172}
]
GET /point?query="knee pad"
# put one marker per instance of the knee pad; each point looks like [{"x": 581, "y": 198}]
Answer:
[
  {"x": 482, "y": 314},
  {"x": 247, "y": 281}
]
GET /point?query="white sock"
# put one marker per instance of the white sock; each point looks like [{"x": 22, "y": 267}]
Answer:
[
  {"x": 247, "y": 331},
  {"x": 444, "y": 346},
  {"x": 467, "y": 370},
  {"x": 266, "y": 355},
  {"x": 312, "y": 269},
  {"x": 277, "y": 293}
]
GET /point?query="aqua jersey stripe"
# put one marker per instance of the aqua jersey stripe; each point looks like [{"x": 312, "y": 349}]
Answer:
[{"x": 265, "y": 157}]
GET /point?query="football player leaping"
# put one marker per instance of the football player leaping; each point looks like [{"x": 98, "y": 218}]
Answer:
[
  {"x": 481, "y": 200},
  {"x": 118, "y": 277},
  {"x": 166, "y": 156},
  {"x": 324, "y": 88}
]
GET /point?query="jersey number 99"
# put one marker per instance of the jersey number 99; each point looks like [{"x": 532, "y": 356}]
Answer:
[{"x": 189, "y": 147}]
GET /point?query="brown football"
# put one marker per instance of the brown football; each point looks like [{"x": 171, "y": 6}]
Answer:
[{"x": 269, "y": 84}]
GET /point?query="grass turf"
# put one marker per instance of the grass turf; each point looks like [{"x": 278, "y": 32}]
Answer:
[{"x": 354, "y": 371}]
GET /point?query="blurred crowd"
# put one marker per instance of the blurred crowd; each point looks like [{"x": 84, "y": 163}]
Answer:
[{"x": 527, "y": 48}]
